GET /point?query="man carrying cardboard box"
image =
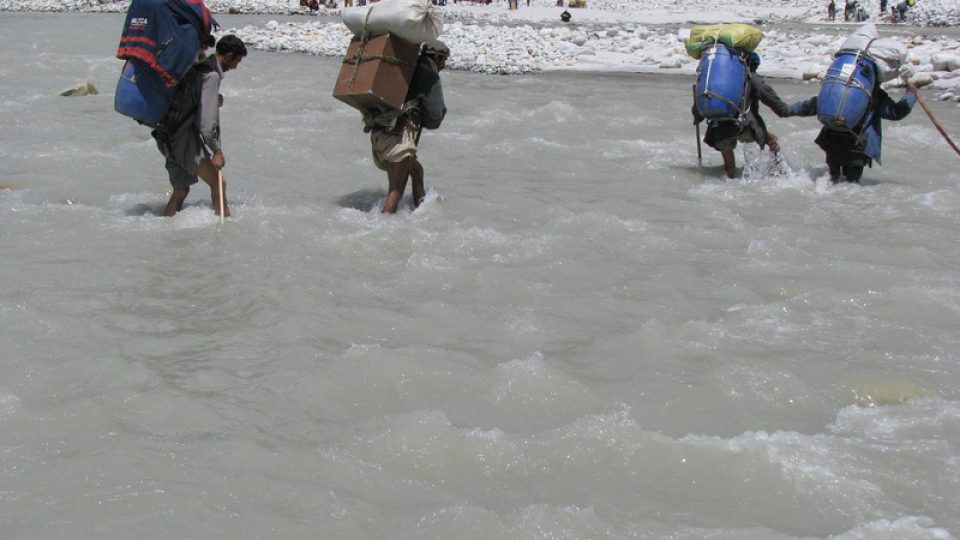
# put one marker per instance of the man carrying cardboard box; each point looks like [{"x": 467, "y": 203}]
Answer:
[{"x": 394, "y": 136}]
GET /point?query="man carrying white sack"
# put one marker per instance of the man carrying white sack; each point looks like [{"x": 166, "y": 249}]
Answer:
[{"x": 394, "y": 137}]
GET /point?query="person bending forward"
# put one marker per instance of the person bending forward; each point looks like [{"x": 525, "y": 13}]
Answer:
[
  {"x": 723, "y": 135},
  {"x": 189, "y": 135},
  {"x": 394, "y": 137}
]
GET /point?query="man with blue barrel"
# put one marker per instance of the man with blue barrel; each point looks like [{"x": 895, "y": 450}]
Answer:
[
  {"x": 851, "y": 103},
  {"x": 748, "y": 127},
  {"x": 849, "y": 151}
]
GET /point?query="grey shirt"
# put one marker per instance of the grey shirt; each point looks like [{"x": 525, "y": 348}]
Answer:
[
  {"x": 191, "y": 130},
  {"x": 208, "y": 114}
]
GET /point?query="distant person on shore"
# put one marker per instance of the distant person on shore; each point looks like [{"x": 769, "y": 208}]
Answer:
[
  {"x": 849, "y": 9},
  {"x": 723, "y": 135},
  {"x": 861, "y": 14},
  {"x": 189, "y": 135},
  {"x": 900, "y": 12},
  {"x": 394, "y": 135},
  {"x": 883, "y": 7},
  {"x": 831, "y": 10},
  {"x": 849, "y": 151}
]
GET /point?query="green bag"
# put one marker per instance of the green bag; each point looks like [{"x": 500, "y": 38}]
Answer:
[{"x": 739, "y": 36}]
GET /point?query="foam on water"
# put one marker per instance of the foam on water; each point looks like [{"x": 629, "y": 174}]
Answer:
[{"x": 8, "y": 401}]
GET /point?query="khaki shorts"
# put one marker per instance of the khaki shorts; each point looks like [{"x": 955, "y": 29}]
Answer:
[
  {"x": 745, "y": 136},
  {"x": 393, "y": 147}
]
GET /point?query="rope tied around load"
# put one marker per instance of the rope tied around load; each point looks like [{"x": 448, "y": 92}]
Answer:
[
  {"x": 851, "y": 82},
  {"x": 359, "y": 57}
]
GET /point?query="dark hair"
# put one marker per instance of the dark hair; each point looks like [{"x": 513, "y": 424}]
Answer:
[
  {"x": 435, "y": 47},
  {"x": 231, "y": 44}
]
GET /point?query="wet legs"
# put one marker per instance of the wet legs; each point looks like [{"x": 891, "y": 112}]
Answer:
[{"x": 397, "y": 175}]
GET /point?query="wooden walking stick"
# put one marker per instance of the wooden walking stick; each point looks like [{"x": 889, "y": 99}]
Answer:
[
  {"x": 697, "y": 125},
  {"x": 220, "y": 197},
  {"x": 937, "y": 125}
]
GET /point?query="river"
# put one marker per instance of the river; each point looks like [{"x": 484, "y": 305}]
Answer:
[{"x": 580, "y": 333}]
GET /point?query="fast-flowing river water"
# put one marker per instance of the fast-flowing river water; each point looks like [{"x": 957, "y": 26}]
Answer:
[{"x": 580, "y": 334}]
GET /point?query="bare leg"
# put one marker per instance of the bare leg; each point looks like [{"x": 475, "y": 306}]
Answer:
[
  {"x": 729, "y": 163},
  {"x": 175, "y": 204},
  {"x": 416, "y": 176},
  {"x": 208, "y": 173},
  {"x": 397, "y": 173}
]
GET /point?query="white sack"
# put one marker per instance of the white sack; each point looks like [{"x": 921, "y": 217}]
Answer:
[
  {"x": 888, "y": 54},
  {"x": 858, "y": 40},
  {"x": 416, "y": 21}
]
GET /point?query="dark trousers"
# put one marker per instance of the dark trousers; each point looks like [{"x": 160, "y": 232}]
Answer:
[{"x": 845, "y": 157}]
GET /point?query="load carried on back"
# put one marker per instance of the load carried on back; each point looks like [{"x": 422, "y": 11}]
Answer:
[
  {"x": 383, "y": 53},
  {"x": 863, "y": 62},
  {"x": 741, "y": 37},
  {"x": 723, "y": 75},
  {"x": 160, "y": 42}
]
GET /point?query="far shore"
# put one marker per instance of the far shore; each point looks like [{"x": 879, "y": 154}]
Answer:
[{"x": 791, "y": 50}]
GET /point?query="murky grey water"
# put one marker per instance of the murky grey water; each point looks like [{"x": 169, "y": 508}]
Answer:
[{"x": 581, "y": 334}]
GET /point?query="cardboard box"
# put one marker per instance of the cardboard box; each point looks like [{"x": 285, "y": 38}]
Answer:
[{"x": 376, "y": 73}]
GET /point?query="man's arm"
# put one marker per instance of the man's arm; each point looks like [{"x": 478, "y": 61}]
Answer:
[
  {"x": 896, "y": 110},
  {"x": 209, "y": 116},
  {"x": 696, "y": 114},
  {"x": 803, "y": 108},
  {"x": 768, "y": 96}
]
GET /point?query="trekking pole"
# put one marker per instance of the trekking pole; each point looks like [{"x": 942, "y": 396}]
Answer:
[
  {"x": 937, "y": 125},
  {"x": 697, "y": 126},
  {"x": 220, "y": 196}
]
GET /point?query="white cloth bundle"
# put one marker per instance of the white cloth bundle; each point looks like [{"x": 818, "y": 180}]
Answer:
[
  {"x": 416, "y": 21},
  {"x": 888, "y": 54}
]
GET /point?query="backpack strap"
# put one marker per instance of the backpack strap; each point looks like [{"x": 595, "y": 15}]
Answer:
[
  {"x": 862, "y": 56},
  {"x": 179, "y": 115}
]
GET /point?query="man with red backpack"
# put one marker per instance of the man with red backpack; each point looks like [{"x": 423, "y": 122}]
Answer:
[{"x": 189, "y": 135}]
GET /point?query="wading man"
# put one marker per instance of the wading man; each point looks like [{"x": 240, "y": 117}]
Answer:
[
  {"x": 394, "y": 137},
  {"x": 189, "y": 135}
]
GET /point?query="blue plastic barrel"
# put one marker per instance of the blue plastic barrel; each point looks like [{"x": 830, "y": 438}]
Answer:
[
  {"x": 142, "y": 94},
  {"x": 721, "y": 83},
  {"x": 845, "y": 94}
]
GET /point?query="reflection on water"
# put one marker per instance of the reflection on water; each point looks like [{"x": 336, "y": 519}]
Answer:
[{"x": 365, "y": 200}]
